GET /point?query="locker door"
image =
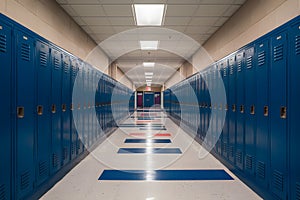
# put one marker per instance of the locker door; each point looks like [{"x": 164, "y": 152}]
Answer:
[
  {"x": 74, "y": 71},
  {"x": 56, "y": 111},
  {"x": 224, "y": 73},
  {"x": 25, "y": 86},
  {"x": 294, "y": 99},
  {"x": 232, "y": 109},
  {"x": 240, "y": 114},
  {"x": 66, "y": 102},
  {"x": 79, "y": 107},
  {"x": 262, "y": 112},
  {"x": 250, "y": 116},
  {"x": 85, "y": 107},
  {"x": 278, "y": 130},
  {"x": 43, "y": 111},
  {"x": 5, "y": 117}
]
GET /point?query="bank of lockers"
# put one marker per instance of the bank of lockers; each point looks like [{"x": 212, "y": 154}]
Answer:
[
  {"x": 259, "y": 139},
  {"x": 43, "y": 128}
]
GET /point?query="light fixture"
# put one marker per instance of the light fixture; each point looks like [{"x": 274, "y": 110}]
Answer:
[
  {"x": 148, "y": 64},
  {"x": 149, "y": 14},
  {"x": 148, "y": 81},
  {"x": 148, "y": 73},
  {"x": 149, "y": 77},
  {"x": 149, "y": 45}
]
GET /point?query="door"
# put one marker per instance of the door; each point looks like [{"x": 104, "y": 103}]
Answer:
[
  {"x": 139, "y": 99},
  {"x": 157, "y": 98},
  {"x": 148, "y": 99}
]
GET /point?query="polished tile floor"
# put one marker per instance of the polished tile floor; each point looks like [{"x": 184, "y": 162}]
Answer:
[{"x": 163, "y": 156}]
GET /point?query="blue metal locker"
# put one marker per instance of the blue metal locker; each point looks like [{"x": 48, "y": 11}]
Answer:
[
  {"x": 5, "y": 116},
  {"x": 225, "y": 138},
  {"x": 85, "y": 106},
  {"x": 74, "y": 135},
  {"x": 294, "y": 98},
  {"x": 79, "y": 107},
  {"x": 232, "y": 109},
  {"x": 240, "y": 114},
  {"x": 25, "y": 102},
  {"x": 262, "y": 56},
  {"x": 43, "y": 112},
  {"x": 250, "y": 115},
  {"x": 278, "y": 129},
  {"x": 56, "y": 62},
  {"x": 65, "y": 107}
]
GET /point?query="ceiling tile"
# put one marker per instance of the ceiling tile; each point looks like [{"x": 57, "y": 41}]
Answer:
[
  {"x": 211, "y": 10},
  {"x": 123, "y": 28},
  {"x": 62, "y": 1},
  {"x": 239, "y": 1},
  {"x": 180, "y": 10},
  {"x": 231, "y": 10},
  {"x": 118, "y": 10},
  {"x": 198, "y": 29},
  {"x": 102, "y": 29},
  {"x": 212, "y": 30},
  {"x": 177, "y": 28},
  {"x": 88, "y": 10},
  {"x": 203, "y": 21},
  {"x": 214, "y": 2},
  {"x": 152, "y": 1},
  {"x": 95, "y": 21},
  {"x": 79, "y": 21},
  {"x": 69, "y": 10},
  {"x": 81, "y": 2},
  {"x": 121, "y": 21},
  {"x": 119, "y": 2},
  {"x": 177, "y": 20},
  {"x": 183, "y": 1},
  {"x": 221, "y": 21},
  {"x": 87, "y": 29}
]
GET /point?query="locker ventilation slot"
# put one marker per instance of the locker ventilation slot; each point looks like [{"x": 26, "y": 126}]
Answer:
[
  {"x": 3, "y": 192},
  {"x": 298, "y": 191},
  {"x": 249, "y": 162},
  {"x": 239, "y": 157},
  {"x": 25, "y": 52},
  {"x": 278, "y": 180},
  {"x": 54, "y": 160},
  {"x": 43, "y": 59},
  {"x": 297, "y": 45},
  {"x": 73, "y": 148},
  {"x": 43, "y": 169},
  {"x": 261, "y": 58},
  {"x": 78, "y": 146},
  {"x": 24, "y": 180},
  {"x": 3, "y": 43},
  {"x": 65, "y": 153},
  {"x": 56, "y": 63},
  {"x": 278, "y": 53},
  {"x": 231, "y": 69},
  {"x": 239, "y": 66},
  {"x": 261, "y": 170},
  {"x": 66, "y": 67},
  {"x": 231, "y": 151},
  {"x": 225, "y": 147},
  {"x": 249, "y": 62}
]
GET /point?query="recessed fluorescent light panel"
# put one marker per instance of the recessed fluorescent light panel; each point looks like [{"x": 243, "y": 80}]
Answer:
[
  {"x": 148, "y": 81},
  {"x": 149, "y": 14},
  {"x": 149, "y": 45},
  {"x": 148, "y": 73},
  {"x": 148, "y": 64},
  {"x": 148, "y": 77}
]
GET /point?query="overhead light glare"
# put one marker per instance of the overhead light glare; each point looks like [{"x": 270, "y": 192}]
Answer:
[
  {"x": 149, "y": 45},
  {"x": 149, "y": 14},
  {"x": 148, "y": 77},
  {"x": 148, "y": 73},
  {"x": 148, "y": 64}
]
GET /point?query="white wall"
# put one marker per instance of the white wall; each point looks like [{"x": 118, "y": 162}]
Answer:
[{"x": 48, "y": 19}]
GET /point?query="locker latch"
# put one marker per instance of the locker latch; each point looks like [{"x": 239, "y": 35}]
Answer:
[
  {"x": 252, "y": 110},
  {"x": 78, "y": 106},
  {"x": 266, "y": 111},
  {"x": 283, "y": 112},
  {"x": 20, "y": 112},
  {"x": 233, "y": 108},
  {"x": 71, "y": 107},
  {"x": 226, "y": 107},
  {"x": 39, "y": 110},
  {"x": 53, "y": 108},
  {"x": 242, "y": 108},
  {"x": 64, "y": 107}
]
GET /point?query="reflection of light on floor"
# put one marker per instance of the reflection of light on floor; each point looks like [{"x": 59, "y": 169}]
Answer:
[
  {"x": 149, "y": 142},
  {"x": 150, "y": 198},
  {"x": 150, "y": 175}
]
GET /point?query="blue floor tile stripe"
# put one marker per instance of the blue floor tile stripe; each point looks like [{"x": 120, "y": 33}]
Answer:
[
  {"x": 150, "y": 150},
  {"x": 147, "y": 141},
  {"x": 152, "y": 128},
  {"x": 165, "y": 175}
]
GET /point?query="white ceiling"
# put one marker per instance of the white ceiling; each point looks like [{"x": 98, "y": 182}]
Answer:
[{"x": 197, "y": 19}]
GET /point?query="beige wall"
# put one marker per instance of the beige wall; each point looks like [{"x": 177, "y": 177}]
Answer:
[
  {"x": 254, "y": 19},
  {"x": 115, "y": 72},
  {"x": 184, "y": 71},
  {"x": 48, "y": 19},
  {"x": 153, "y": 89}
]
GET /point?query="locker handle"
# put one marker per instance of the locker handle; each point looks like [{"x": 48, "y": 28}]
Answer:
[
  {"x": 266, "y": 111},
  {"x": 64, "y": 107},
  {"x": 220, "y": 107},
  {"x": 242, "y": 108},
  {"x": 252, "y": 110},
  {"x": 78, "y": 106},
  {"x": 20, "y": 112},
  {"x": 226, "y": 107},
  {"x": 39, "y": 110},
  {"x": 71, "y": 107},
  {"x": 53, "y": 108},
  {"x": 233, "y": 108},
  {"x": 283, "y": 112}
]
